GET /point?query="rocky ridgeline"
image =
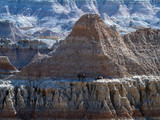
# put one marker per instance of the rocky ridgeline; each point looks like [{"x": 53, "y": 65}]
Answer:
[
  {"x": 22, "y": 52},
  {"x": 102, "y": 99}
]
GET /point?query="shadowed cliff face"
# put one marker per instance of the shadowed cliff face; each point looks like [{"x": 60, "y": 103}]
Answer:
[
  {"x": 19, "y": 57},
  {"x": 101, "y": 99},
  {"x": 94, "y": 49},
  {"x": 21, "y": 53}
]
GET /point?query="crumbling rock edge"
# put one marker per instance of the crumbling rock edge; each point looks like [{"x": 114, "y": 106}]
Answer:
[{"x": 138, "y": 96}]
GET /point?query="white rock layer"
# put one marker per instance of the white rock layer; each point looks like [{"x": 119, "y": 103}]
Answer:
[{"x": 105, "y": 98}]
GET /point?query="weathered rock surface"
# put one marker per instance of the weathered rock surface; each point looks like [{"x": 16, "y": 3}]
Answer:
[
  {"x": 21, "y": 53},
  {"x": 6, "y": 68},
  {"x": 94, "y": 49},
  {"x": 101, "y": 99},
  {"x": 145, "y": 44}
]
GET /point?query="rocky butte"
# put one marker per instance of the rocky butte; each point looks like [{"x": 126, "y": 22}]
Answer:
[{"x": 94, "y": 49}]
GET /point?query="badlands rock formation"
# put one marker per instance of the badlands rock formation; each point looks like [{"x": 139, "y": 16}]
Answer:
[
  {"x": 145, "y": 44},
  {"x": 6, "y": 68},
  {"x": 21, "y": 53},
  {"x": 94, "y": 49},
  {"x": 103, "y": 99}
]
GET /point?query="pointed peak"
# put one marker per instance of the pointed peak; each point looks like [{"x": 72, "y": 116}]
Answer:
[
  {"x": 91, "y": 16},
  {"x": 92, "y": 26},
  {"x": 89, "y": 19}
]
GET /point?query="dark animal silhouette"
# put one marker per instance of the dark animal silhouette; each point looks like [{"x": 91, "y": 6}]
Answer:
[
  {"x": 99, "y": 77},
  {"x": 82, "y": 77}
]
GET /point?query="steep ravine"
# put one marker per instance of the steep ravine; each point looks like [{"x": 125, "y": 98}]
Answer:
[{"x": 100, "y": 99}]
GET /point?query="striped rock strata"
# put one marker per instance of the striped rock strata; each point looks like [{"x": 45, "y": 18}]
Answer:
[{"x": 94, "y": 49}]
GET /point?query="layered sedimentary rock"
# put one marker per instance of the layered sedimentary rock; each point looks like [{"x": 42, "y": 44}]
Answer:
[
  {"x": 21, "y": 53},
  {"x": 94, "y": 49},
  {"x": 6, "y": 68},
  {"x": 101, "y": 99}
]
